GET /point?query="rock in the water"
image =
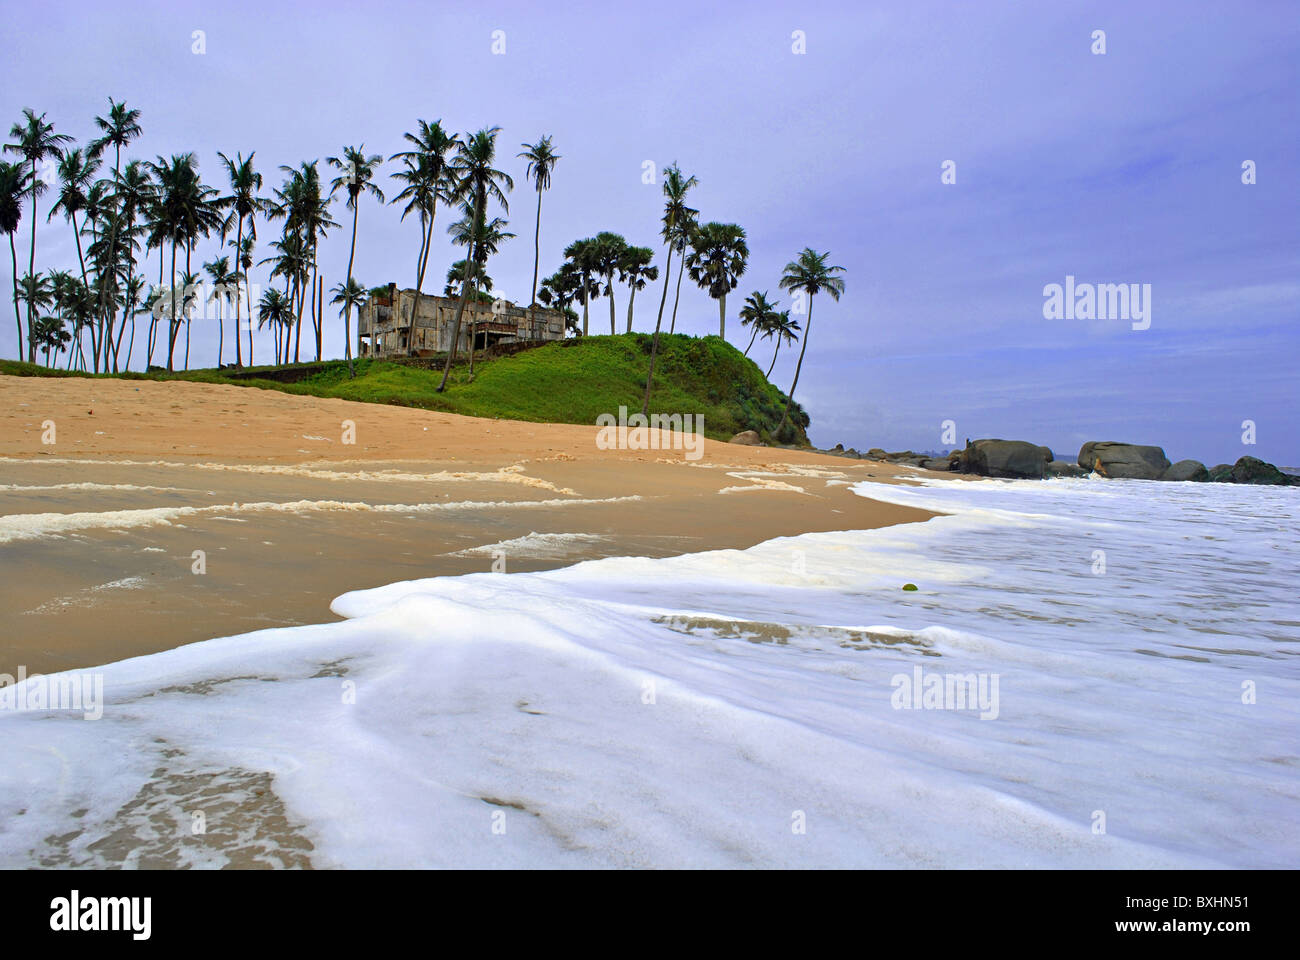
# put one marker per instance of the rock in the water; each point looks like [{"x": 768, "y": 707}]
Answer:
[
  {"x": 1254, "y": 470},
  {"x": 1221, "y": 473},
  {"x": 1128, "y": 461},
  {"x": 1192, "y": 470},
  {"x": 1064, "y": 468},
  {"x": 935, "y": 463},
  {"x": 1014, "y": 459},
  {"x": 749, "y": 438}
]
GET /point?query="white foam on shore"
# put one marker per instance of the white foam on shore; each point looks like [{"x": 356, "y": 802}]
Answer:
[
  {"x": 50, "y": 487},
  {"x": 692, "y": 710},
  {"x": 33, "y": 526},
  {"x": 536, "y": 546}
]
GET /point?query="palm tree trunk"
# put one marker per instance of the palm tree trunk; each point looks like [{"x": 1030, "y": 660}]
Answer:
[
  {"x": 173, "y": 324},
  {"x": 797, "y": 367},
  {"x": 248, "y": 295},
  {"x": 421, "y": 264},
  {"x": 221, "y": 334},
  {"x": 654, "y": 343},
  {"x": 188, "y": 248},
  {"x": 631, "y": 299},
  {"x": 239, "y": 237},
  {"x": 347, "y": 302},
  {"x": 471, "y": 267},
  {"x": 537, "y": 258},
  {"x": 31, "y": 267},
  {"x": 752, "y": 337},
  {"x": 609, "y": 286},
  {"x": 722, "y": 316},
  {"x": 681, "y": 269},
  {"x": 18, "y": 317},
  {"x": 586, "y": 282},
  {"x": 768, "y": 375}
]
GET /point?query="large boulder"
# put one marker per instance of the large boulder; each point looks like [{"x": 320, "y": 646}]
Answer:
[
  {"x": 1254, "y": 470},
  {"x": 1221, "y": 473},
  {"x": 1128, "y": 461},
  {"x": 749, "y": 438},
  {"x": 936, "y": 463},
  {"x": 1064, "y": 468},
  {"x": 1186, "y": 470},
  {"x": 1013, "y": 459}
]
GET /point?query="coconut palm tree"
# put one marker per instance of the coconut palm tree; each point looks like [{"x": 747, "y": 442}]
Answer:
[
  {"x": 757, "y": 313},
  {"x": 585, "y": 258},
  {"x": 37, "y": 293},
  {"x": 117, "y": 130},
  {"x": 357, "y": 177},
  {"x": 35, "y": 141},
  {"x": 13, "y": 185},
  {"x": 133, "y": 196},
  {"x": 809, "y": 275},
  {"x": 244, "y": 258},
  {"x": 244, "y": 204},
  {"x": 634, "y": 269},
  {"x": 483, "y": 240},
  {"x": 225, "y": 289},
  {"x": 477, "y": 180},
  {"x": 609, "y": 252},
  {"x": 684, "y": 233},
  {"x": 428, "y": 177},
  {"x": 275, "y": 309},
  {"x": 51, "y": 334},
  {"x": 456, "y": 275},
  {"x": 716, "y": 262},
  {"x": 541, "y": 157},
  {"x": 561, "y": 289},
  {"x": 353, "y": 296},
  {"x": 780, "y": 326},
  {"x": 76, "y": 174},
  {"x": 676, "y": 215}
]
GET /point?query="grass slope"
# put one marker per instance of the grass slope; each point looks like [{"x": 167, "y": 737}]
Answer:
[{"x": 570, "y": 381}]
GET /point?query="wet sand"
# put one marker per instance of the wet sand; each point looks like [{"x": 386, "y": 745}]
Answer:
[{"x": 167, "y": 513}]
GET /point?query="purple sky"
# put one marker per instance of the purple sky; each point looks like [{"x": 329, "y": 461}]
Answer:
[{"x": 1117, "y": 168}]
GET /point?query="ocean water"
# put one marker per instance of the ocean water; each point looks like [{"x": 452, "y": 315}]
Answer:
[{"x": 1131, "y": 647}]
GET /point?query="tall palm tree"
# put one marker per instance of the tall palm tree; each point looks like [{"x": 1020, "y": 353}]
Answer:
[
  {"x": 541, "y": 157},
  {"x": 429, "y": 177},
  {"x": 609, "y": 252},
  {"x": 76, "y": 174},
  {"x": 585, "y": 258},
  {"x": 35, "y": 141},
  {"x": 634, "y": 269},
  {"x": 134, "y": 195},
  {"x": 353, "y": 296},
  {"x": 457, "y": 273},
  {"x": 810, "y": 275},
  {"x": 36, "y": 291},
  {"x": 684, "y": 234},
  {"x": 784, "y": 330},
  {"x": 117, "y": 130},
  {"x": 561, "y": 289},
  {"x": 756, "y": 313},
  {"x": 357, "y": 177},
  {"x": 276, "y": 310},
  {"x": 244, "y": 203},
  {"x": 13, "y": 185},
  {"x": 244, "y": 257},
  {"x": 716, "y": 262},
  {"x": 483, "y": 240},
  {"x": 225, "y": 288},
  {"x": 676, "y": 215},
  {"x": 477, "y": 180}
]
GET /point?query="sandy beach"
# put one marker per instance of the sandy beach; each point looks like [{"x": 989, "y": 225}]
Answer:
[{"x": 169, "y": 512}]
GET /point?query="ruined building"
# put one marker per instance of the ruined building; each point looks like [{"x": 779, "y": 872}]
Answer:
[{"x": 384, "y": 324}]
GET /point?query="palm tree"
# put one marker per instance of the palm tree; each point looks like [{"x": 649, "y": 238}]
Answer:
[
  {"x": 676, "y": 215},
  {"x": 561, "y": 289},
  {"x": 429, "y": 177},
  {"x": 634, "y": 269},
  {"x": 244, "y": 257},
  {"x": 609, "y": 252},
  {"x": 585, "y": 258},
  {"x": 757, "y": 313},
  {"x": 716, "y": 262},
  {"x": 456, "y": 275},
  {"x": 244, "y": 204},
  {"x": 134, "y": 194},
  {"x": 483, "y": 240},
  {"x": 35, "y": 140},
  {"x": 185, "y": 211},
  {"x": 118, "y": 129},
  {"x": 780, "y": 325},
  {"x": 276, "y": 310},
  {"x": 357, "y": 178},
  {"x": 353, "y": 295},
  {"x": 76, "y": 173},
  {"x": 13, "y": 184},
  {"x": 37, "y": 292},
  {"x": 541, "y": 157},
  {"x": 809, "y": 274},
  {"x": 52, "y": 335},
  {"x": 225, "y": 288},
  {"x": 477, "y": 180}
]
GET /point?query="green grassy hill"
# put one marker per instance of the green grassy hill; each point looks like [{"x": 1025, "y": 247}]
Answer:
[{"x": 570, "y": 381}]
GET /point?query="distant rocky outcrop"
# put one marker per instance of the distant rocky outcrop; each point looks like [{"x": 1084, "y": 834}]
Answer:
[
  {"x": 1129, "y": 461},
  {"x": 1187, "y": 470},
  {"x": 1011, "y": 459},
  {"x": 749, "y": 438},
  {"x": 1254, "y": 470}
]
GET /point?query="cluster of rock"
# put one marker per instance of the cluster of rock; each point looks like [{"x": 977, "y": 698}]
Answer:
[{"x": 1020, "y": 460}]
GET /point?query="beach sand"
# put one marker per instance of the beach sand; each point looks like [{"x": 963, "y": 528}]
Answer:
[{"x": 103, "y": 532}]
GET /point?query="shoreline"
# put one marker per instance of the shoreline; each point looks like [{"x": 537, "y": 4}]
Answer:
[{"x": 101, "y": 528}]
